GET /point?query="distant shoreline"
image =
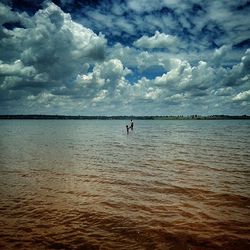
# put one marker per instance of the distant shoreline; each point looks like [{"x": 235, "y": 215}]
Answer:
[{"x": 80, "y": 117}]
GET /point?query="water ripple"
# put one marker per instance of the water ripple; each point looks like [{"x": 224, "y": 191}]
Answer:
[{"x": 89, "y": 185}]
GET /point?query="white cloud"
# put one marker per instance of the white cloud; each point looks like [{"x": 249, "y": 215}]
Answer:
[
  {"x": 54, "y": 45},
  {"x": 16, "y": 69},
  {"x": 56, "y": 63},
  {"x": 100, "y": 96},
  {"x": 144, "y": 5},
  {"x": 105, "y": 74},
  {"x": 223, "y": 91},
  {"x": 106, "y": 84},
  {"x": 242, "y": 96},
  {"x": 240, "y": 73},
  {"x": 137, "y": 60},
  {"x": 185, "y": 78},
  {"x": 6, "y": 15},
  {"x": 220, "y": 54},
  {"x": 159, "y": 40}
]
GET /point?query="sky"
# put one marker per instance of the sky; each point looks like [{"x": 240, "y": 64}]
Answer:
[{"x": 125, "y": 57}]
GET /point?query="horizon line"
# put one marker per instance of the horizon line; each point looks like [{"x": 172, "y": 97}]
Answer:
[{"x": 120, "y": 117}]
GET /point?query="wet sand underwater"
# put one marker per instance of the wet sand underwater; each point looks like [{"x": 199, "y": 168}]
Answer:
[{"x": 89, "y": 185}]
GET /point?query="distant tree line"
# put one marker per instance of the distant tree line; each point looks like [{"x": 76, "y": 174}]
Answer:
[{"x": 81, "y": 117}]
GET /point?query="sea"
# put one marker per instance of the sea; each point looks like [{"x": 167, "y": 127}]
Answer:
[{"x": 87, "y": 184}]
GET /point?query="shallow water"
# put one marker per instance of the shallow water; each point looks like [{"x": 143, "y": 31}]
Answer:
[{"x": 89, "y": 185}]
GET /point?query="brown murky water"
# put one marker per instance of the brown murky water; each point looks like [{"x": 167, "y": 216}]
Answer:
[{"x": 89, "y": 185}]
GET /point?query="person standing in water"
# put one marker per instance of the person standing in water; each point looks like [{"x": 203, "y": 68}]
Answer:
[
  {"x": 131, "y": 124},
  {"x": 127, "y": 129}
]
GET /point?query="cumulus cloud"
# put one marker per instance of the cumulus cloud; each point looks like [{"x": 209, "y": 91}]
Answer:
[
  {"x": 137, "y": 59},
  {"x": 242, "y": 96},
  {"x": 183, "y": 77},
  {"x": 103, "y": 58},
  {"x": 16, "y": 69},
  {"x": 106, "y": 74},
  {"x": 6, "y": 15},
  {"x": 240, "y": 73},
  {"x": 104, "y": 86},
  {"x": 220, "y": 54},
  {"x": 51, "y": 38},
  {"x": 159, "y": 40},
  {"x": 50, "y": 49}
]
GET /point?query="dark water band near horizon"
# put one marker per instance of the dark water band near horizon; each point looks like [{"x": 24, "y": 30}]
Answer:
[{"x": 88, "y": 185}]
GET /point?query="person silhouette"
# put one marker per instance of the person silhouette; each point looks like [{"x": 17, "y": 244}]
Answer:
[
  {"x": 127, "y": 129},
  {"x": 131, "y": 124}
]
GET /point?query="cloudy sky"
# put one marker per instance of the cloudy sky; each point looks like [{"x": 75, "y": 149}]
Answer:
[{"x": 125, "y": 57}]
